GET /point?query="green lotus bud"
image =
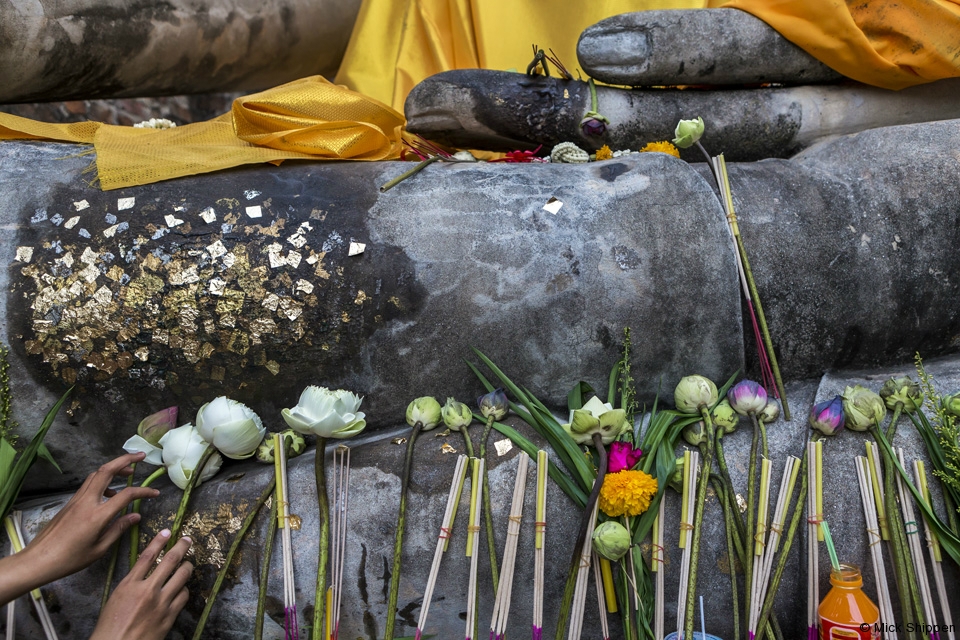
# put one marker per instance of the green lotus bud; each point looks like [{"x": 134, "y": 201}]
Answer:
[
  {"x": 770, "y": 412},
  {"x": 426, "y": 411},
  {"x": 951, "y": 404},
  {"x": 293, "y": 442},
  {"x": 611, "y": 540},
  {"x": 694, "y": 392},
  {"x": 862, "y": 408},
  {"x": 596, "y": 417},
  {"x": 903, "y": 390},
  {"x": 494, "y": 404},
  {"x": 456, "y": 415},
  {"x": 695, "y": 434},
  {"x": 688, "y": 132},
  {"x": 724, "y": 417},
  {"x": 676, "y": 480}
]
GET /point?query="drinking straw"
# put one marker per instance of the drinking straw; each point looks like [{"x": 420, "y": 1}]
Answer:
[
  {"x": 873, "y": 532},
  {"x": 703, "y": 623},
  {"x": 827, "y": 538},
  {"x": 921, "y": 475}
]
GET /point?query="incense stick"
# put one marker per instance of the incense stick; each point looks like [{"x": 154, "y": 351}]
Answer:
[
  {"x": 873, "y": 533},
  {"x": 598, "y": 580},
  {"x": 290, "y": 623},
  {"x": 921, "y": 475},
  {"x": 459, "y": 472},
  {"x": 813, "y": 548},
  {"x": 580, "y": 590},
  {"x": 501, "y": 607},
  {"x": 14, "y": 532},
  {"x": 539, "y": 555},
  {"x": 691, "y": 463},
  {"x": 11, "y": 607},
  {"x": 657, "y": 564},
  {"x": 759, "y": 545},
  {"x": 916, "y": 550},
  {"x": 476, "y": 495},
  {"x": 341, "y": 457}
]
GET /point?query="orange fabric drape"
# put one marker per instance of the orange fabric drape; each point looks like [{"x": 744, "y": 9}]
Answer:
[{"x": 886, "y": 43}]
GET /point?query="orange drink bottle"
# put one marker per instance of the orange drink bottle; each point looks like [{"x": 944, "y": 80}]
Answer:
[{"x": 846, "y": 613}]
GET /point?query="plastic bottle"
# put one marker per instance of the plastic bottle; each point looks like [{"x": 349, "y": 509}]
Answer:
[{"x": 846, "y": 612}]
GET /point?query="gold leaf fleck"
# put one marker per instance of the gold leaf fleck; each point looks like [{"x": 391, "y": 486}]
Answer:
[{"x": 273, "y": 367}]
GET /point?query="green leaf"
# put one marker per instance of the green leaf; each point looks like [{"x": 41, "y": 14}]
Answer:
[
  {"x": 575, "y": 398},
  {"x": 564, "y": 482},
  {"x": 45, "y": 454},
  {"x": 7, "y": 455},
  {"x": 11, "y": 488}
]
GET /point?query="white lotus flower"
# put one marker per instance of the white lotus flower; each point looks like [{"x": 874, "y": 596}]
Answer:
[
  {"x": 182, "y": 449},
  {"x": 136, "y": 444},
  {"x": 326, "y": 413},
  {"x": 231, "y": 426}
]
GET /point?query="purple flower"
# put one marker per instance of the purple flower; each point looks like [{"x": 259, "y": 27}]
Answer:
[
  {"x": 827, "y": 417},
  {"x": 622, "y": 457},
  {"x": 747, "y": 397},
  {"x": 494, "y": 404},
  {"x": 593, "y": 126}
]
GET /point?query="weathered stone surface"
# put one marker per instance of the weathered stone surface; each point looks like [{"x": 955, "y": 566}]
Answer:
[
  {"x": 128, "y": 111},
  {"x": 101, "y": 48},
  {"x": 149, "y": 314},
  {"x": 374, "y": 494},
  {"x": 694, "y": 47},
  {"x": 504, "y": 111},
  {"x": 852, "y": 245}
]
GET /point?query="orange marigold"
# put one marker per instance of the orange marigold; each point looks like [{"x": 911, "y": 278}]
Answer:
[
  {"x": 662, "y": 147},
  {"x": 627, "y": 493},
  {"x": 604, "y": 153}
]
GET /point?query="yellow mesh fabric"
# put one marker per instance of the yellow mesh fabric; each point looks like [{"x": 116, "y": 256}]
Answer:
[
  {"x": 886, "y": 43},
  {"x": 306, "y": 119}
]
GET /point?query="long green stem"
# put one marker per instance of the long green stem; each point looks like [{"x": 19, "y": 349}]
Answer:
[
  {"x": 751, "y": 507},
  {"x": 398, "y": 539},
  {"x": 114, "y": 555},
  {"x": 185, "y": 500},
  {"x": 704, "y": 481},
  {"x": 467, "y": 441},
  {"x": 410, "y": 172},
  {"x": 320, "y": 595},
  {"x": 728, "y": 530},
  {"x": 571, "y": 583},
  {"x": 135, "y": 528},
  {"x": 487, "y": 510},
  {"x": 265, "y": 570},
  {"x": 228, "y": 559}
]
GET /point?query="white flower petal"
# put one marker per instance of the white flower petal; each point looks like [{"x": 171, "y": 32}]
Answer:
[{"x": 136, "y": 444}]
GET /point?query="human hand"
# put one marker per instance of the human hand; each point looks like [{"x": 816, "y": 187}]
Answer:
[
  {"x": 146, "y": 606},
  {"x": 87, "y": 525}
]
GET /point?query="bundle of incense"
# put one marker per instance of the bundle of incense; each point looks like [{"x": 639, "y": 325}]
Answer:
[
  {"x": 446, "y": 527},
  {"x": 473, "y": 529},
  {"x": 501, "y": 606},
  {"x": 790, "y": 472},
  {"x": 876, "y": 478},
  {"x": 341, "y": 501},
  {"x": 601, "y": 598},
  {"x": 12, "y": 524},
  {"x": 691, "y": 471},
  {"x": 657, "y": 565},
  {"x": 916, "y": 549},
  {"x": 876, "y": 555},
  {"x": 11, "y": 607},
  {"x": 580, "y": 589},
  {"x": 290, "y": 625},
  {"x": 814, "y": 518},
  {"x": 920, "y": 473},
  {"x": 760, "y": 539},
  {"x": 540, "y": 526}
]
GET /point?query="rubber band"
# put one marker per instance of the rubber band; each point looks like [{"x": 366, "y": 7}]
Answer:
[
  {"x": 778, "y": 529},
  {"x": 817, "y": 519},
  {"x": 473, "y": 528},
  {"x": 540, "y": 526},
  {"x": 758, "y": 538},
  {"x": 517, "y": 519},
  {"x": 907, "y": 524},
  {"x": 585, "y": 562},
  {"x": 444, "y": 533},
  {"x": 685, "y": 526}
]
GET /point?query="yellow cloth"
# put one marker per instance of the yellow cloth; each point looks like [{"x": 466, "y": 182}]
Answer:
[
  {"x": 306, "y": 119},
  {"x": 397, "y": 43},
  {"x": 886, "y": 43}
]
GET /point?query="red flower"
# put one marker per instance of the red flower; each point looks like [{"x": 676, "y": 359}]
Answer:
[
  {"x": 521, "y": 156},
  {"x": 622, "y": 457}
]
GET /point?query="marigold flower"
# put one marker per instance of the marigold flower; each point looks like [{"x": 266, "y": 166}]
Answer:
[
  {"x": 627, "y": 493},
  {"x": 604, "y": 153},
  {"x": 663, "y": 147}
]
